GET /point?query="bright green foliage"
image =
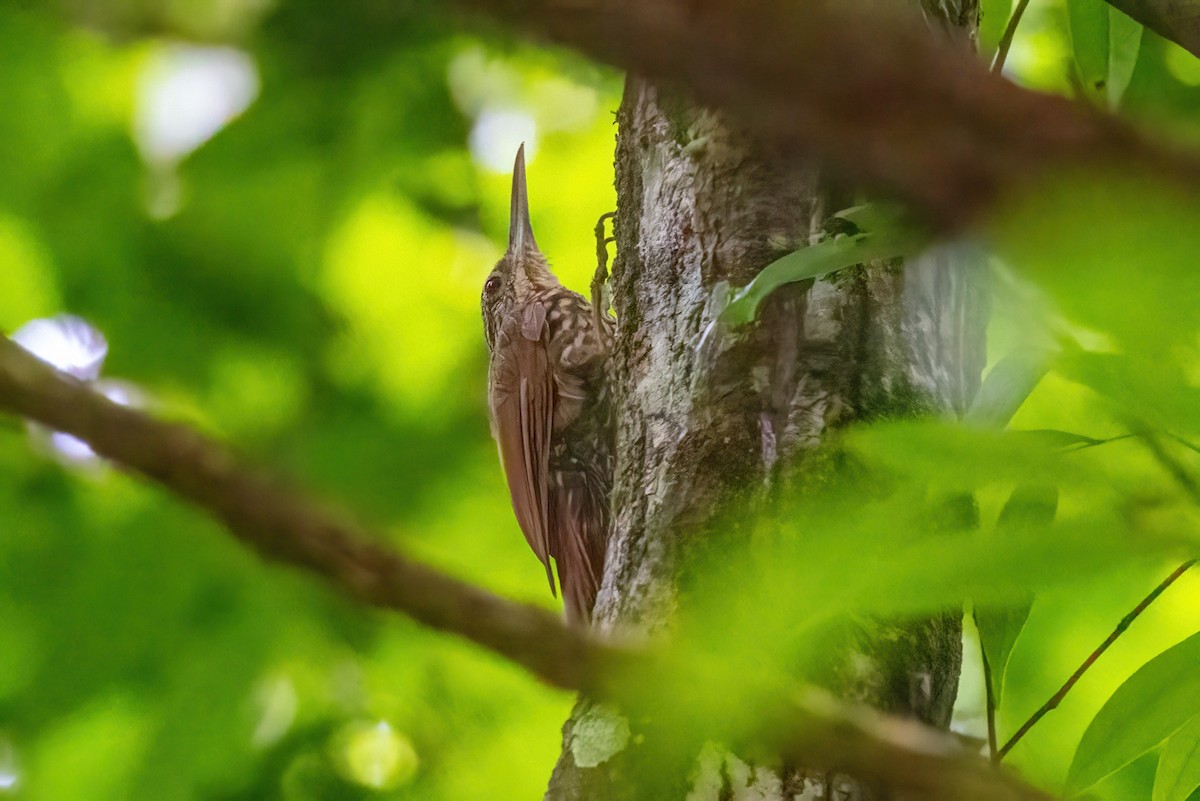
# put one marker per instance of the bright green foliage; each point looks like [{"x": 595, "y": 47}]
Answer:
[
  {"x": 305, "y": 284},
  {"x": 1030, "y": 506},
  {"x": 1179, "y": 766},
  {"x": 1106, "y": 44},
  {"x": 1124, "y": 44},
  {"x": 1155, "y": 703},
  {"x": 1007, "y": 385}
]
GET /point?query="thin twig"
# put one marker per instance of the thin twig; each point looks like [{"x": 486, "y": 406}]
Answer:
[
  {"x": 990, "y": 701},
  {"x": 1095, "y": 443},
  {"x": 1007, "y": 38},
  {"x": 1189, "y": 484},
  {"x": 1185, "y": 443},
  {"x": 1174, "y": 467},
  {"x": 1126, "y": 621}
]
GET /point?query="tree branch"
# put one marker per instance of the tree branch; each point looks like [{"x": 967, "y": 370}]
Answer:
[
  {"x": 1176, "y": 20},
  {"x": 860, "y": 87},
  {"x": 911, "y": 759},
  {"x": 1006, "y": 40},
  {"x": 285, "y": 526}
]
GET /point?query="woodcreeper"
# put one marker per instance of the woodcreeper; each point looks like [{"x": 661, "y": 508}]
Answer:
[{"x": 550, "y": 408}]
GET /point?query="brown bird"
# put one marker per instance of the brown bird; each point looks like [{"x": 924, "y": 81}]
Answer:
[{"x": 550, "y": 410}]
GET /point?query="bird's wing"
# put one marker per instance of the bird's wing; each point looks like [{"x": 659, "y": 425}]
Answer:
[
  {"x": 581, "y": 517},
  {"x": 522, "y": 407}
]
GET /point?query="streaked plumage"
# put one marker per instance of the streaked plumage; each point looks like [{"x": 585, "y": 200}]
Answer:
[{"x": 550, "y": 411}]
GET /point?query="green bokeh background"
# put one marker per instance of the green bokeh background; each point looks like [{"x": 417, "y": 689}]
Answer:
[{"x": 305, "y": 284}]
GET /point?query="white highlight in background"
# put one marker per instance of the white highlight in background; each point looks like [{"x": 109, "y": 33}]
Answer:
[
  {"x": 76, "y": 347},
  {"x": 67, "y": 342},
  {"x": 497, "y": 135},
  {"x": 189, "y": 93},
  {"x": 10, "y": 778}
]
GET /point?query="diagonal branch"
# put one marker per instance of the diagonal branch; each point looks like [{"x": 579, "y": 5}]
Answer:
[
  {"x": 284, "y": 526},
  {"x": 858, "y": 86},
  {"x": 1177, "y": 20}
]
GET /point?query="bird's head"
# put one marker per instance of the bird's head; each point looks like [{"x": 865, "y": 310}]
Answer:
[{"x": 523, "y": 270}]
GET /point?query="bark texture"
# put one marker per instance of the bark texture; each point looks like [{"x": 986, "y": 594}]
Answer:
[{"x": 709, "y": 417}]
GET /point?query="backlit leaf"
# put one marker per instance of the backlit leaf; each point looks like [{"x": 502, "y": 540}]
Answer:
[
  {"x": 1089, "y": 42},
  {"x": 1178, "y": 773},
  {"x": 1156, "y": 702},
  {"x": 1007, "y": 385},
  {"x": 1029, "y": 506},
  {"x": 1124, "y": 44}
]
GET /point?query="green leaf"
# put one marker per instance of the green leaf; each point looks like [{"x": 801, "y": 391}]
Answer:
[
  {"x": 1088, "y": 20},
  {"x": 999, "y": 628},
  {"x": 1124, "y": 44},
  {"x": 1178, "y": 773},
  {"x": 880, "y": 235},
  {"x": 1153, "y": 392},
  {"x": 1077, "y": 236},
  {"x": 1156, "y": 702},
  {"x": 1029, "y": 506},
  {"x": 1007, "y": 386},
  {"x": 1105, "y": 44}
]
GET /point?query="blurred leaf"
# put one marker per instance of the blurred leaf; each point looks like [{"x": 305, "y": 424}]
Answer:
[
  {"x": 961, "y": 456},
  {"x": 1068, "y": 440},
  {"x": 284, "y": 285},
  {"x": 1156, "y": 702},
  {"x": 1105, "y": 43},
  {"x": 1077, "y": 238},
  {"x": 879, "y": 234},
  {"x": 68, "y": 763},
  {"x": 1124, "y": 44},
  {"x": 1153, "y": 393},
  {"x": 1178, "y": 773},
  {"x": 999, "y": 628},
  {"x": 1007, "y": 385},
  {"x": 27, "y": 287},
  {"x": 375, "y": 755},
  {"x": 1030, "y": 506},
  {"x": 898, "y": 494},
  {"x": 1089, "y": 41}
]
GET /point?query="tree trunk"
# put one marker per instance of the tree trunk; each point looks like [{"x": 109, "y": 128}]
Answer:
[{"x": 705, "y": 420}]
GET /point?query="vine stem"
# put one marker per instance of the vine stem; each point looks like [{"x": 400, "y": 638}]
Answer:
[
  {"x": 1007, "y": 38},
  {"x": 1057, "y": 698},
  {"x": 990, "y": 698}
]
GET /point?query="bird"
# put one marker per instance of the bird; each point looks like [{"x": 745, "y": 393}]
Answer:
[{"x": 550, "y": 408}]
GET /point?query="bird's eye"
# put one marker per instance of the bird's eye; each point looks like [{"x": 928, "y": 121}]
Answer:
[{"x": 492, "y": 285}]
